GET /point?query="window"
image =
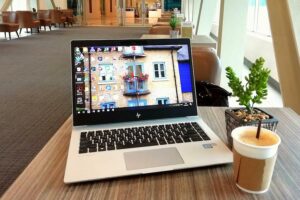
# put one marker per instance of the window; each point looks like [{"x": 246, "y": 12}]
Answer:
[
  {"x": 162, "y": 101},
  {"x": 106, "y": 73},
  {"x": 136, "y": 86},
  {"x": 137, "y": 102},
  {"x": 108, "y": 105},
  {"x": 135, "y": 79},
  {"x": 135, "y": 69},
  {"x": 258, "y": 19},
  {"x": 159, "y": 70}
]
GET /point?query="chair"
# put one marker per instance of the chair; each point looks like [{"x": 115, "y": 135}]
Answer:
[
  {"x": 57, "y": 17},
  {"x": 161, "y": 30},
  {"x": 206, "y": 65},
  {"x": 207, "y": 68},
  {"x": 26, "y": 20},
  {"x": 10, "y": 23},
  {"x": 44, "y": 17},
  {"x": 9, "y": 17},
  {"x": 68, "y": 13},
  {"x": 8, "y": 28}
]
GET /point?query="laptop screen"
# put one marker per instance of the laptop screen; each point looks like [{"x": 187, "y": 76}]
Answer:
[{"x": 131, "y": 77}]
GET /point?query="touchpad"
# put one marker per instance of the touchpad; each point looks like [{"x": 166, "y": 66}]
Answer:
[{"x": 152, "y": 158}]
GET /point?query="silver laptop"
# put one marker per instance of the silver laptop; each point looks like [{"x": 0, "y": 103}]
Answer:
[{"x": 135, "y": 111}]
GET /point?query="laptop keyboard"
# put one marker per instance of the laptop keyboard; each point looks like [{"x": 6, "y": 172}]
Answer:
[{"x": 113, "y": 139}]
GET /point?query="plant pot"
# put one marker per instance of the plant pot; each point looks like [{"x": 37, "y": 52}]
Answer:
[
  {"x": 232, "y": 122},
  {"x": 174, "y": 33}
]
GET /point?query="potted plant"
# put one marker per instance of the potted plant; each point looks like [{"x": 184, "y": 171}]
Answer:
[
  {"x": 252, "y": 92},
  {"x": 173, "y": 23}
]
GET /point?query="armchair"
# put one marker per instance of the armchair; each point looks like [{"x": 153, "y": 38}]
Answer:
[
  {"x": 26, "y": 20},
  {"x": 44, "y": 17}
]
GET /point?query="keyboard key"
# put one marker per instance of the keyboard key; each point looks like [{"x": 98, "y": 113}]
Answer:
[
  {"x": 101, "y": 148},
  {"x": 111, "y": 147},
  {"x": 178, "y": 140},
  {"x": 83, "y": 135},
  {"x": 83, "y": 150},
  {"x": 196, "y": 138},
  {"x": 186, "y": 139},
  {"x": 170, "y": 141},
  {"x": 92, "y": 149},
  {"x": 162, "y": 141},
  {"x": 205, "y": 137}
]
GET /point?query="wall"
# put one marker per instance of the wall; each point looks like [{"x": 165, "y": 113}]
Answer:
[
  {"x": 113, "y": 12},
  {"x": 46, "y": 4},
  {"x": 62, "y": 4},
  {"x": 95, "y": 14}
]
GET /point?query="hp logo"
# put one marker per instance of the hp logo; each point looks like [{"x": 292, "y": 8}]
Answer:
[{"x": 138, "y": 115}]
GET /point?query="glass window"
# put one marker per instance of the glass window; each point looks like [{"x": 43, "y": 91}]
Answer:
[
  {"x": 258, "y": 19},
  {"x": 263, "y": 25},
  {"x": 137, "y": 102},
  {"x": 159, "y": 70},
  {"x": 162, "y": 101},
  {"x": 108, "y": 105}
]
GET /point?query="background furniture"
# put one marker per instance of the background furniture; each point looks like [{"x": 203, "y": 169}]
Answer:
[
  {"x": 68, "y": 13},
  {"x": 161, "y": 24},
  {"x": 44, "y": 17},
  {"x": 10, "y": 23},
  {"x": 26, "y": 20},
  {"x": 9, "y": 17},
  {"x": 161, "y": 30},
  {"x": 8, "y": 28},
  {"x": 43, "y": 178},
  {"x": 207, "y": 65},
  {"x": 57, "y": 17},
  {"x": 163, "y": 19}
]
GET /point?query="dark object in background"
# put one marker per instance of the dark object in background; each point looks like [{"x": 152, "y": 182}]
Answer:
[{"x": 209, "y": 94}]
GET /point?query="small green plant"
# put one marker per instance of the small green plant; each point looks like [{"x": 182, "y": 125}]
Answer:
[
  {"x": 173, "y": 22},
  {"x": 255, "y": 89}
]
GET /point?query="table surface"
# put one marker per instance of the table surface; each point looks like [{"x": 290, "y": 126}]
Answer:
[
  {"x": 197, "y": 40},
  {"x": 43, "y": 177}
]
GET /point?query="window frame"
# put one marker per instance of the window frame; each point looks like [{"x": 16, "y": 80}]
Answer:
[
  {"x": 167, "y": 99},
  {"x": 159, "y": 71}
]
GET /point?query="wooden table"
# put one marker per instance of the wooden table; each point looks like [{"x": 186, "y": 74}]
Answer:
[
  {"x": 43, "y": 178},
  {"x": 197, "y": 40}
]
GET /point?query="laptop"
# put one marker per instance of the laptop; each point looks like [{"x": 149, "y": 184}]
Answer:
[{"x": 135, "y": 111}]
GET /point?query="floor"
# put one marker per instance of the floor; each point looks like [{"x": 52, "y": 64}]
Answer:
[
  {"x": 24, "y": 33},
  {"x": 35, "y": 90}
]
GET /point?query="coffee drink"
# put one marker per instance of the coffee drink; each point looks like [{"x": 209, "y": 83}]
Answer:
[{"x": 254, "y": 159}]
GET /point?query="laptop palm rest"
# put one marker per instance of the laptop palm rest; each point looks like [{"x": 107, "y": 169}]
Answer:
[{"x": 152, "y": 158}]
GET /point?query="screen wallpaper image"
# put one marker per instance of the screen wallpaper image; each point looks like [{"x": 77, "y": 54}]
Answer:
[{"x": 131, "y": 76}]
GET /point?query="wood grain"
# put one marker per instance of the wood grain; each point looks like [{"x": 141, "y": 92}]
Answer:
[
  {"x": 286, "y": 51},
  {"x": 43, "y": 178}
]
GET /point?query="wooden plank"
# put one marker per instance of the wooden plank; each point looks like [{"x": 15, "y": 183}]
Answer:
[{"x": 43, "y": 178}]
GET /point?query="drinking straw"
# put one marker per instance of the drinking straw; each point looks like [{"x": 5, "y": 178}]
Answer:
[{"x": 258, "y": 129}]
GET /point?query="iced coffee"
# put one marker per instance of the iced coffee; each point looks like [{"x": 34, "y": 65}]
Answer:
[{"x": 254, "y": 158}]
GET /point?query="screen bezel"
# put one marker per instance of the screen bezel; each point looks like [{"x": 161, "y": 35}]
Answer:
[{"x": 130, "y": 114}]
